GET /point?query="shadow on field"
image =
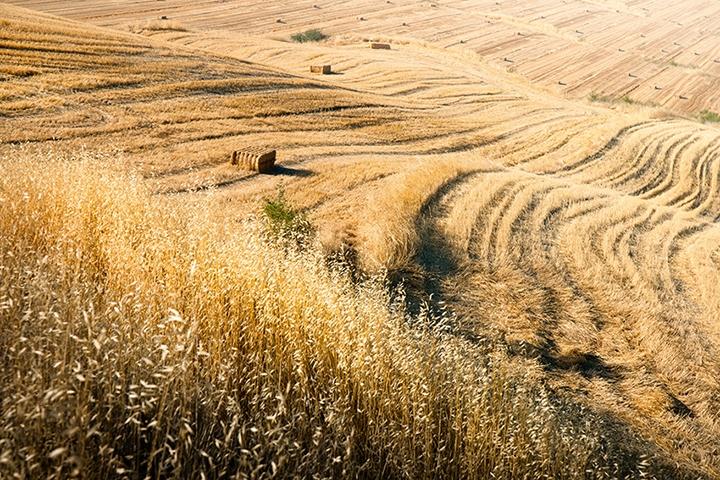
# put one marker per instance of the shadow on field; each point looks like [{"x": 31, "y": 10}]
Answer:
[{"x": 292, "y": 172}]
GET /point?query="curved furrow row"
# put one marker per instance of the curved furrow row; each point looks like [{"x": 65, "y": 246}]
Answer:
[
  {"x": 607, "y": 232},
  {"x": 696, "y": 262},
  {"x": 541, "y": 125},
  {"x": 500, "y": 203},
  {"x": 504, "y": 240},
  {"x": 691, "y": 189},
  {"x": 704, "y": 198},
  {"x": 518, "y": 217},
  {"x": 431, "y": 256},
  {"x": 614, "y": 142},
  {"x": 664, "y": 169},
  {"x": 711, "y": 205},
  {"x": 544, "y": 213},
  {"x": 558, "y": 139},
  {"x": 622, "y": 259},
  {"x": 533, "y": 152},
  {"x": 706, "y": 171},
  {"x": 573, "y": 260},
  {"x": 673, "y": 245},
  {"x": 674, "y": 165},
  {"x": 528, "y": 225},
  {"x": 623, "y": 167}
]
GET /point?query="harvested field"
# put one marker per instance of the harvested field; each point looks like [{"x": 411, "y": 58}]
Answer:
[
  {"x": 589, "y": 47},
  {"x": 533, "y": 176}
]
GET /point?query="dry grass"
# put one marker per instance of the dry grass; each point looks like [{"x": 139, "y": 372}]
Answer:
[
  {"x": 611, "y": 48},
  {"x": 141, "y": 340},
  {"x": 18, "y": 71},
  {"x": 388, "y": 235},
  {"x": 560, "y": 262},
  {"x": 159, "y": 25}
]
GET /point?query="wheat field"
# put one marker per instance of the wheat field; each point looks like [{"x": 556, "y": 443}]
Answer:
[{"x": 502, "y": 276}]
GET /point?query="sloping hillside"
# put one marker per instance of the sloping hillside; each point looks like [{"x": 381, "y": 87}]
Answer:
[
  {"x": 170, "y": 111},
  {"x": 578, "y": 239},
  {"x": 654, "y": 51}
]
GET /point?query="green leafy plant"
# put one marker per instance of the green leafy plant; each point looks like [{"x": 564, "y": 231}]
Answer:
[
  {"x": 709, "y": 116},
  {"x": 283, "y": 220},
  {"x": 596, "y": 97},
  {"x": 312, "y": 35}
]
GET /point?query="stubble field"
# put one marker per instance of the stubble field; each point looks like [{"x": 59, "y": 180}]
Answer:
[{"x": 514, "y": 268}]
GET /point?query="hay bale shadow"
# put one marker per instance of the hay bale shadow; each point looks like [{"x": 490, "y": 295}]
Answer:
[{"x": 292, "y": 172}]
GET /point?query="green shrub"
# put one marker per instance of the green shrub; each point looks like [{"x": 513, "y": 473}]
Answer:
[
  {"x": 312, "y": 35},
  {"x": 709, "y": 116},
  {"x": 597, "y": 97},
  {"x": 284, "y": 221}
]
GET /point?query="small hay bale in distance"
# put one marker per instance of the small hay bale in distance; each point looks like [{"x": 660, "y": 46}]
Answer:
[
  {"x": 258, "y": 159},
  {"x": 321, "y": 69},
  {"x": 380, "y": 46}
]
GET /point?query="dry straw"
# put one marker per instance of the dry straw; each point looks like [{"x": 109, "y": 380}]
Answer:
[{"x": 142, "y": 340}]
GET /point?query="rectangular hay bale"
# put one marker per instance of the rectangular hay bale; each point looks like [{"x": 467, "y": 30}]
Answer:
[
  {"x": 323, "y": 69},
  {"x": 254, "y": 158},
  {"x": 380, "y": 46}
]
